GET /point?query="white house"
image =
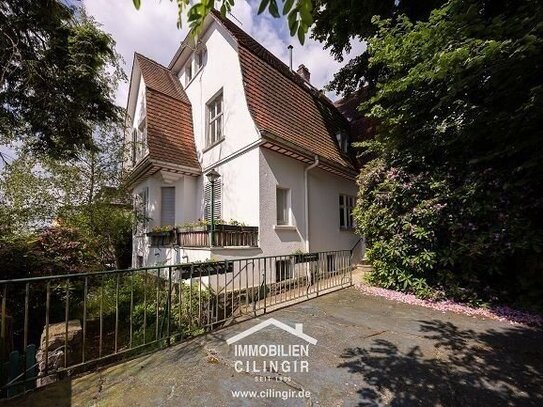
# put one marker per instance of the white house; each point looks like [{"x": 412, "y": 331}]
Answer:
[{"x": 281, "y": 148}]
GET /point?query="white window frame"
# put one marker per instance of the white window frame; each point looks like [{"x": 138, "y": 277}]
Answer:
[
  {"x": 286, "y": 221},
  {"x": 343, "y": 142},
  {"x": 199, "y": 54},
  {"x": 192, "y": 67},
  {"x": 346, "y": 210},
  {"x": 139, "y": 142},
  {"x": 213, "y": 117},
  {"x": 283, "y": 270}
]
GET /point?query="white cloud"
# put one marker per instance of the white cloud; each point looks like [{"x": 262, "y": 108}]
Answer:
[{"x": 153, "y": 31}]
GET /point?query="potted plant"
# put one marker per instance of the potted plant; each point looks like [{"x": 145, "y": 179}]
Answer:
[{"x": 161, "y": 235}]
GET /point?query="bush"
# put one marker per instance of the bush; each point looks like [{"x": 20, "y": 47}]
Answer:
[{"x": 452, "y": 199}]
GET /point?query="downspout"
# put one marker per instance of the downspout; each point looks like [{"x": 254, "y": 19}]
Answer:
[{"x": 306, "y": 200}]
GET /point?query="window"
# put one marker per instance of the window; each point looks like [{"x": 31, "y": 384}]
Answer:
[
  {"x": 343, "y": 141},
  {"x": 346, "y": 205},
  {"x": 194, "y": 65},
  {"x": 188, "y": 72},
  {"x": 217, "y": 199},
  {"x": 142, "y": 113},
  {"x": 141, "y": 205},
  {"x": 167, "y": 208},
  {"x": 283, "y": 270},
  {"x": 139, "y": 142},
  {"x": 215, "y": 120},
  {"x": 199, "y": 60},
  {"x": 283, "y": 206},
  {"x": 139, "y": 261},
  {"x": 330, "y": 263}
]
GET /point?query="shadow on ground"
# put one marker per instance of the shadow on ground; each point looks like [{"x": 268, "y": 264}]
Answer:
[{"x": 469, "y": 368}]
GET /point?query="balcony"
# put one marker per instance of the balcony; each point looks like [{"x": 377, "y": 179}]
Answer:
[{"x": 199, "y": 236}]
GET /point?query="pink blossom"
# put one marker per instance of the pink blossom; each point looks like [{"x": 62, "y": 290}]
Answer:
[{"x": 500, "y": 313}]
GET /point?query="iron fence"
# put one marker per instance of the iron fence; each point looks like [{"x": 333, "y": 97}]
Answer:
[{"x": 78, "y": 320}]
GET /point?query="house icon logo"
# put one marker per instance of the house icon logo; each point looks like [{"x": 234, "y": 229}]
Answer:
[{"x": 296, "y": 331}]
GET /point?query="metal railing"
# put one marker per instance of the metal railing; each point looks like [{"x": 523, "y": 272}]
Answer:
[{"x": 78, "y": 320}]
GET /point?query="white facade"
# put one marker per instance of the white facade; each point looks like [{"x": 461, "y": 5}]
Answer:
[{"x": 250, "y": 173}]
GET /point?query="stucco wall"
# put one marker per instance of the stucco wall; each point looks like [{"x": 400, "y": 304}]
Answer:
[
  {"x": 277, "y": 170},
  {"x": 221, "y": 70},
  {"x": 324, "y": 231},
  {"x": 185, "y": 211}
]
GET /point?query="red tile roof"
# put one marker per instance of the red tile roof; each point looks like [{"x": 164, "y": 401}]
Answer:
[
  {"x": 283, "y": 104},
  {"x": 169, "y": 116}
]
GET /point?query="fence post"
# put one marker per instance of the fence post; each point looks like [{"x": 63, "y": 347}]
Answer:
[
  {"x": 265, "y": 285},
  {"x": 30, "y": 362},
  {"x": 350, "y": 271},
  {"x": 13, "y": 372},
  {"x": 169, "y": 305}
]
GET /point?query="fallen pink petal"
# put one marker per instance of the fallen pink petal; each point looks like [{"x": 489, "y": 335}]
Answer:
[{"x": 500, "y": 313}]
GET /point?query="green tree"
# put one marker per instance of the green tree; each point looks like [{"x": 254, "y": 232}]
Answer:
[
  {"x": 335, "y": 23},
  {"x": 84, "y": 192},
  {"x": 453, "y": 196},
  {"x": 58, "y": 75}
]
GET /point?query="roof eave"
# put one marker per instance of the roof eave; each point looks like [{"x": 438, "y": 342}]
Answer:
[{"x": 349, "y": 171}]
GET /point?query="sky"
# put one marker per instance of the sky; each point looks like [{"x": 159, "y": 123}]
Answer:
[{"x": 152, "y": 31}]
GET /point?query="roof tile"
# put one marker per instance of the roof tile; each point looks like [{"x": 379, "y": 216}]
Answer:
[
  {"x": 169, "y": 116},
  {"x": 283, "y": 104}
]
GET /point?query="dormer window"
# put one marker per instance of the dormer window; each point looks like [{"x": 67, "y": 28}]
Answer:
[
  {"x": 343, "y": 142},
  {"x": 139, "y": 142},
  {"x": 142, "y": 113},
  {"x": 194, "y": 65},
  {"x": 188, "y": 72},
  {"x": 199, "y": 60}
]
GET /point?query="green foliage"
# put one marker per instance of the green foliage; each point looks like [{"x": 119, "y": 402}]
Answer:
[
  {"x": 299, "y": 13},
  {"x": 164, "y": 228},
  {"x": 452, "y": 197},
  {"x": 59, "y": 250},
  {"x": 137, "y": 293},
  {"x": 333, "y": 22},
  {"x": 58, "y": 74},
  {"x": 84, "y": 192}
]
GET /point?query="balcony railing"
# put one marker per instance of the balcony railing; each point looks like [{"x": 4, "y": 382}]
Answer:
[{"x": 199, "y": 236}]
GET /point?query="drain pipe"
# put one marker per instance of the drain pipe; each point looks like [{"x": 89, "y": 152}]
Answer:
[{"x": 306, "y": 200}]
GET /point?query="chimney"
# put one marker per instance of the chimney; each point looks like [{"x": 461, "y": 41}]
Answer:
[
  {"x": 304, "y": 73},
  {"x": 290, "y": 56}
]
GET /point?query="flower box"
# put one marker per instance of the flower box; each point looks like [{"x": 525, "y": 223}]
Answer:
[{"x": 162, "y": 238}]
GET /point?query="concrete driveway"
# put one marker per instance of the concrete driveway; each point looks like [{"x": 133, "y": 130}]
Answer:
[{"x": 369, "y": 352}]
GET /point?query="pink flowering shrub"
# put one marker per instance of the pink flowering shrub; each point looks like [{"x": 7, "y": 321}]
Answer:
[{"x": 432, "y": 236}]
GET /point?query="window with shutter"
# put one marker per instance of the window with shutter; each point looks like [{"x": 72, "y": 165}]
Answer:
[
  {"x": 217, "y": 198},
  {"x": 167, "y": 209}
]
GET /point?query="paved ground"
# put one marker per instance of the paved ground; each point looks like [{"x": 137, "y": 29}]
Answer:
[{"x": 370, "y": 351}]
